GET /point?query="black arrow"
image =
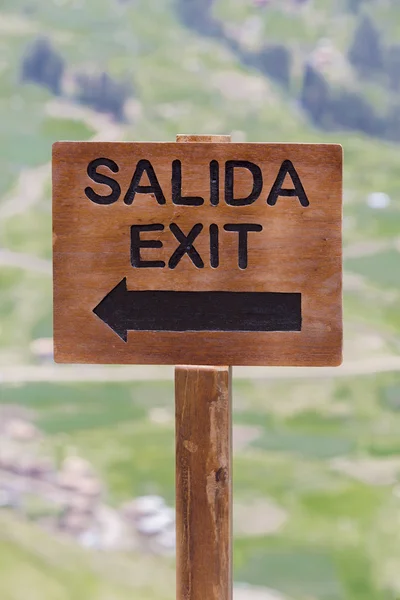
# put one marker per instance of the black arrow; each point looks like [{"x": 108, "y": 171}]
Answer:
[{"x": 124, "y": 310}]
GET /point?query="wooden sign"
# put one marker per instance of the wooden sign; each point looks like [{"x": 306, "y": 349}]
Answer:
[{"x": 197, "y": 253}]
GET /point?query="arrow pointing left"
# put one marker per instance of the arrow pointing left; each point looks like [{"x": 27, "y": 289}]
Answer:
[{"x": 126, "y": 310}]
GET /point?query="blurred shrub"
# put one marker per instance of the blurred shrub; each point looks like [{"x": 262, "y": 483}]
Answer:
[
  {"x": 392, "y": 67},
  {"x": 355, "y": 6},
  {"x": 102, "y": 93},
  {"x": 43, "y": 65},
  {"x": 276, "y": 62},
  {"x": 315, "y": 95},
  {"x": 350, "y": 110},
  {"x": 332, "y": 108},
  {"x": 392, "y": 130},
  {"x": 197, "y": 15},
  {"x": 366, "y": 52}
]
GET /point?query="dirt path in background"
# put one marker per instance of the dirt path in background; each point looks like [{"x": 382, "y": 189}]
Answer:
[
  {"x": 88, "y": 373},
  {"x": 250, "y": 593},
  {"x": 243, "y": 435},
  {"x": 8, "y": 258},
  {"x": 368, "y": 247},
  {"x": 106, "y": 129},
  {"x": 258, "y": 518},
  {"x": 31, "y": 185},
  {"x": 28, "y": 191}
]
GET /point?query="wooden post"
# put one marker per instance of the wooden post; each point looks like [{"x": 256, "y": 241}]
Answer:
[{"x": 203, "y": 397}]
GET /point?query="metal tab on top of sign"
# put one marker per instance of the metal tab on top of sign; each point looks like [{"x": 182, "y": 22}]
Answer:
[{"x": 199, "y": 253}]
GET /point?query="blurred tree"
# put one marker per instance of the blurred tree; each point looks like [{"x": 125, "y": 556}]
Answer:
[
  {"x": 338, "y": 109},
  {"x": 366, "y": 52},
  {"x": 355, "y": 6},
  {"x": 276, "y": 61},
  {"x": 315, "y": 94},
  {"x": 393, "y": 67},
  {"x": 350, "y": 110},
  {"x": 43, "y": 65},
  {"x": 103, "y": 93},
  {"x": 392, "y": 129},
  {"x": 198, "y": 15}
]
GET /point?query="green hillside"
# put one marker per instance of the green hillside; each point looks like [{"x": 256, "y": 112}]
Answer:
[{"x": 325, "y": 451}]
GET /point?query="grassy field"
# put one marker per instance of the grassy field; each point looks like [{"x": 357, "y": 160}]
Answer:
[
  {"x": 325, "y": 452},
  {"x": 34, "y": 564},
  {"x": 318, "y": 453}
]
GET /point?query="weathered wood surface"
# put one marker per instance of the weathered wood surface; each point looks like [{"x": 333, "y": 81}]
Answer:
[
  {"x": 204, "y": 530},
  {"x": 298, "y": 251},
  {"x": 203, "y": 483},
  {"x": 183, "y": 138}
]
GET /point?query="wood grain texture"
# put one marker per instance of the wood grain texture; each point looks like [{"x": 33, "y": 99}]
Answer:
[
  {"x": 203, "y": 483},
  {"x": 183, "y": 138},
  {"x": 204, "y": 529},
  {"x": 298, "y": 251}
]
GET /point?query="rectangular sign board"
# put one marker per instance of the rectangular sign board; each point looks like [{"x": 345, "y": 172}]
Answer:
[{"x": 200, "y": 253}]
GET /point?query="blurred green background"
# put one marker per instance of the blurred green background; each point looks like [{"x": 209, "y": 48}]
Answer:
[{"x": 87, "y": 453}]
